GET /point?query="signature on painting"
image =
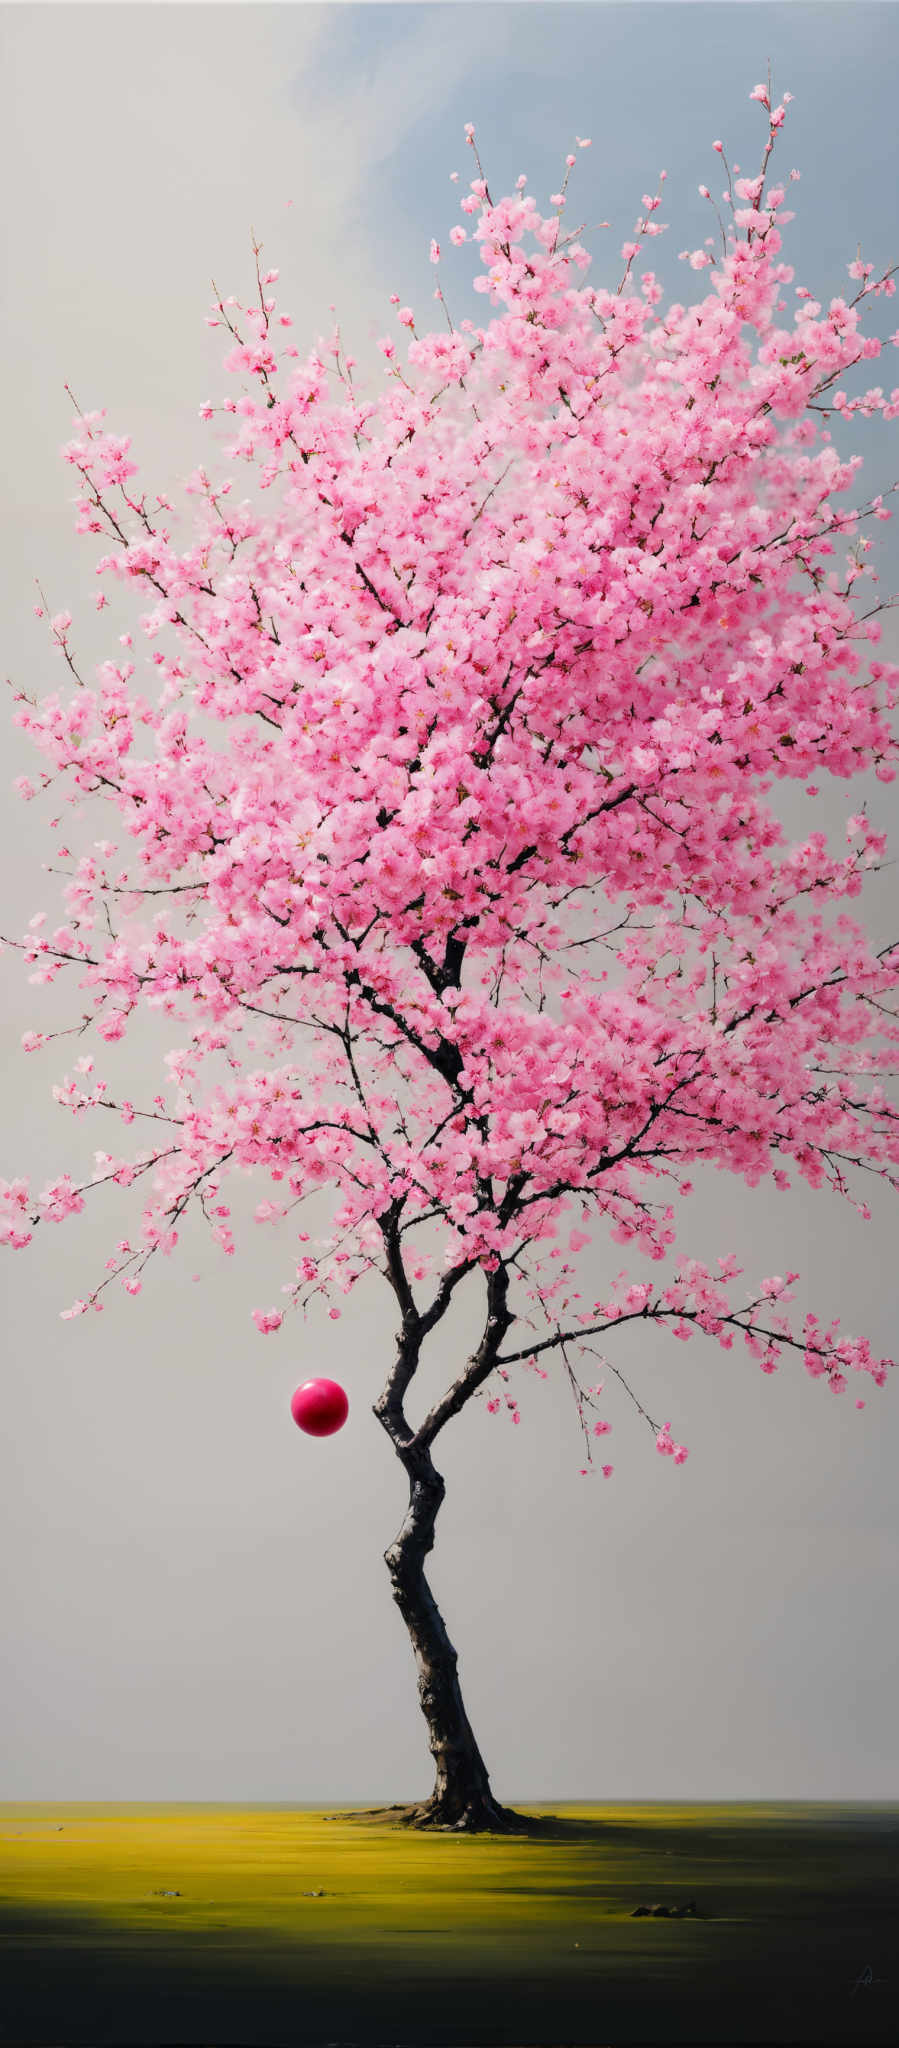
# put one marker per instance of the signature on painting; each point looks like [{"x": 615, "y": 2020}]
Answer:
[{"x": 864, "y": 1980}]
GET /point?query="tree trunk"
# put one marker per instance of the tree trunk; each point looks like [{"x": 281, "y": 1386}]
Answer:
[{"x": 461, "y": 1798}]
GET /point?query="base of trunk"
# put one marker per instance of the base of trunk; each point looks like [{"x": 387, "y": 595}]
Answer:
[{"x": 478, "y": 1816}]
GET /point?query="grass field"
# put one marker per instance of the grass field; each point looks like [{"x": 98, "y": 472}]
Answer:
[{"x": 285, "y": 1926}]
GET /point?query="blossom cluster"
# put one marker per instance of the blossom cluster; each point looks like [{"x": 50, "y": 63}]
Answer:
[{"x": 438, "y": 815}]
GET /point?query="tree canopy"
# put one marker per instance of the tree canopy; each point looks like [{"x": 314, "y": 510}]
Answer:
[{"x": 440, "y": 810}]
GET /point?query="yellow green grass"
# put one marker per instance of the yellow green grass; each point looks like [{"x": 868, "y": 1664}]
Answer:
[{"x": 444, "y": 1941}]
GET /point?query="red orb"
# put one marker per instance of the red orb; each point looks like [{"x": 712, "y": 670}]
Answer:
[{"x": 319, "y": 1407}]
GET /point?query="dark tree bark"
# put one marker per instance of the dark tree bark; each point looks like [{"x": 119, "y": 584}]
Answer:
[{"x": 462, "y": 1797}]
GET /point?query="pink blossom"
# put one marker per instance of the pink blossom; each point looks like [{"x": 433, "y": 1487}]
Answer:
[
  {"x": 267, "y": 1320},
  {"x": 431, "y": 680}
]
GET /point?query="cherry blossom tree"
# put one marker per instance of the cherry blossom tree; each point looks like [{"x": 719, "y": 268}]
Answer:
[{"x": 440, "y": 821}]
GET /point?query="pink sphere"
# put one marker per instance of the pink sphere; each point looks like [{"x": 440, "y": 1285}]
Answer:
[{"x": 319, "y": 1407}]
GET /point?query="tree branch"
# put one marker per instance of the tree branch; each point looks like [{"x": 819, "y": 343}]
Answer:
[{"x": 479, "y": 1366}]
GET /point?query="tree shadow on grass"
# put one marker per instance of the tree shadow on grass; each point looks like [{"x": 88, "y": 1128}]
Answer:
[
  {"x": 801, "y": 1948},
  {"x": 76, "y": 1980}
]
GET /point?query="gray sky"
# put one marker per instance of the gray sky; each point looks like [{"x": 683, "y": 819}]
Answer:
[{"x": 190, "y": 1609}]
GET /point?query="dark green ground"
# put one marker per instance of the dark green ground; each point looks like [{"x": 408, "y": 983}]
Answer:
[{"x": 439, "y": 1942}]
